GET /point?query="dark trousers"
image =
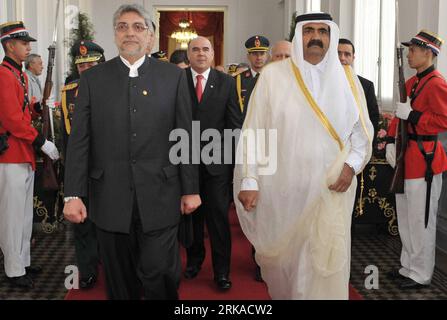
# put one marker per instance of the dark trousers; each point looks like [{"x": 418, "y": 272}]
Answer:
[
  {"x": 141, "y": 263},
  {"x": 86, "y": 247},
  {"x": 215, "y": 195}
]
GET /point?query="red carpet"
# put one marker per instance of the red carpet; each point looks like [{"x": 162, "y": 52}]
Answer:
[{"x": 202, "y": 287}]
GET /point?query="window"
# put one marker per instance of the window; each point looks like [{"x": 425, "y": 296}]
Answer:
[
  {"x": 374, "y": 38},
  {"x": 313, "y": 5}
]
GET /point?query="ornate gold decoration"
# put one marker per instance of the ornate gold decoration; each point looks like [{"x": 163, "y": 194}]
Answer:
[
  {"x": 388, "y": 210},
  {"x": 42, "y": 211},
  {"x": 375, "y": 160},
  {"x": 362, "y": 188},
  {"x": 373, "y": 173}
]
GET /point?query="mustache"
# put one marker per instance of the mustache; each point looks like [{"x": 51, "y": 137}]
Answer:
[{"x": 315, "y": 42}]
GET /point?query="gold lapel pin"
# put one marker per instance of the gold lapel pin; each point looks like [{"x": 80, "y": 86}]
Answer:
[{"x": 145, "y": 93}]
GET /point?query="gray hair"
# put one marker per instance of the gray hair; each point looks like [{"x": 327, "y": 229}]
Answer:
[
  {"x": 138, "y": 9},
  {"x": 30, "y": 59}
]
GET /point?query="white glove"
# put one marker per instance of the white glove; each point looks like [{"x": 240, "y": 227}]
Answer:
[
  {"x": 50, "y": 150},
  {"x": 390, "y": 154},
  {"x": 403, "y": 110}
]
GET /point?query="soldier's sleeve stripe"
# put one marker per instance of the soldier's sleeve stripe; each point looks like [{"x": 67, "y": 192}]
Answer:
[{"x": 239, "y": 92}]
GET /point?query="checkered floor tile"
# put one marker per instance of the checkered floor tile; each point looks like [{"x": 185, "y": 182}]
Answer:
[{"x": 55, "y": 251}]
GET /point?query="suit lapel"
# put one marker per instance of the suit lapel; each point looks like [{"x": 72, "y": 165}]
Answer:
[{"x": 210, "y": 86}]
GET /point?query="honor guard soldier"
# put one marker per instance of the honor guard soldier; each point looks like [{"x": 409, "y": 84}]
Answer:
[
  {"x": 425, "y": 160},
  {"x": 257, "y": 55},
  {"x": 18, "y": 138},
  {"x": 87, "y": 54}
]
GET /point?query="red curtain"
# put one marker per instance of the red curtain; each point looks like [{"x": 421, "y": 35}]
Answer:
[{"x": 207, "y": 24}]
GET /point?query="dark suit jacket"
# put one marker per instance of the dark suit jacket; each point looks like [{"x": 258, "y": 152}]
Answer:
[
  {"x": 373, "y": 108},
  {"x": 119, "y": 145},
  {"x": 218, "y": 110}
]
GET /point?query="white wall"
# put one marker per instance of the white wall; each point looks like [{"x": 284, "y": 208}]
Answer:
[{"x": 342, "y": 12}]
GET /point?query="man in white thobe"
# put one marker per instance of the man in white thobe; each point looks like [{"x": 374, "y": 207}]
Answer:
[{"x": 296, "y": 202}]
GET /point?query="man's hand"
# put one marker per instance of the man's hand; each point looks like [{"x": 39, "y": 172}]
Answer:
[
  {"x": 248, "y": 199},
  {"x": 75, "y": 211},
  {"x": 344, "y": 181},
  {"x": 190, "y": 203},
  {"x": 403, "y": 110}
]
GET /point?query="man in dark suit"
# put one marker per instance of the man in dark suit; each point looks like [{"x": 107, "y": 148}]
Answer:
[
  {"x": 346, "y": 53},
  {"x": 118, "y": 152},
  {"x": 214, "y": 100}
]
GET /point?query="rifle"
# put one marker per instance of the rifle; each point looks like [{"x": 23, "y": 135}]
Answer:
[
  {"x": 49, "y": 177},
  {"x": 397, "y": 182}
]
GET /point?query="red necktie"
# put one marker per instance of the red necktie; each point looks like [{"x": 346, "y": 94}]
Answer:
[{"x": 199, "y": 88}]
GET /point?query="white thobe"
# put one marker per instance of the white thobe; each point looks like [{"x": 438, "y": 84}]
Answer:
[
  {"x": 312, "y": 76},
  {"x": 299, "y": 228}
]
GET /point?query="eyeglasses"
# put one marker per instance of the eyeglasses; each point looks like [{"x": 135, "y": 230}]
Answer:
[{"x": 124, "y": 27}]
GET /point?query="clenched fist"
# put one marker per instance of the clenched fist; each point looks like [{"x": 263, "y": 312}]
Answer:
[
  {"x": 190, "y": 203},
  {"x": 75, "y": 211}
]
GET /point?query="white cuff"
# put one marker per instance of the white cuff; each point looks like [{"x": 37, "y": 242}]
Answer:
[
  {"x": 249, "y": 184},
  {"x": 355, "y": 162},
  {"x": 68, "y": 199}
]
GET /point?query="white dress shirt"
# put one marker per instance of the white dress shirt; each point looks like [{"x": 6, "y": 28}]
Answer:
[
  {"x": 205, "y": 75},
  {"x": 133, "y": 68},
  {"x": 253, "y": 73}
]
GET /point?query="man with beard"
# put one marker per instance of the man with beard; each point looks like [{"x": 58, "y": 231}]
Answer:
[{"x": 119, "y": 156}]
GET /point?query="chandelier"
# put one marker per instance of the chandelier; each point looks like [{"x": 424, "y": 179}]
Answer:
[{"x": 185, "y": 34}]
